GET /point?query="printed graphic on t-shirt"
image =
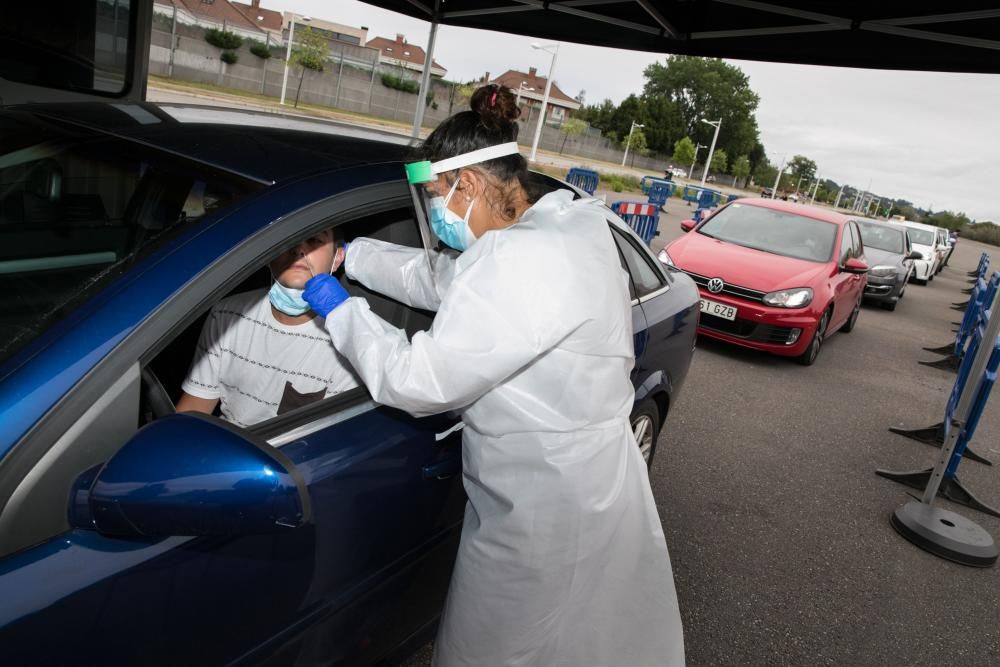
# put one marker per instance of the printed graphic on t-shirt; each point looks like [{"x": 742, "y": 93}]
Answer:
[{"x": 292, "y": 399}]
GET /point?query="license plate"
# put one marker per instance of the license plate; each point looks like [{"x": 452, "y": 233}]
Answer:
[{"x": 710, "y": 307}]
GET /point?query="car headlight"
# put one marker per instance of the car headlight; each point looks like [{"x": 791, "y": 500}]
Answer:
[
  {"x": 665, "y": 259},
  {"x": 800, "y": 297},
  {"x": 883, "y": 271}
]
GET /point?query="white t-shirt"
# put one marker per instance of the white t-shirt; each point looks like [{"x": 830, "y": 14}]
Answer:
[{"x": 258, "y": 367}]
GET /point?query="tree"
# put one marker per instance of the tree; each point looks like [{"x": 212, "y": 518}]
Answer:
[
  {"x": 581, "y": 97},
  {"x": 802, "y": 168},
  {"x": 573, "y": 126},
  {"x": 684, "y": 152},
  {"x": 636, "y": 142},
  {"x": 764, "y": 174},
  {"x": 719, "y": 161},
  {"x": 741, "y": 168},
  {"x": 310, "y": 54},
  {"x": 706, "y": 88},
  {"x": 598, "y": 115}
]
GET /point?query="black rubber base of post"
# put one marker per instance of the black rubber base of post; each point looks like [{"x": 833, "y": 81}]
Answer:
[
  {"x": 968, "y": 290},
  {"x": 945, "y": 534},
  {"x": 952, "y": 489},
  {"x": 961, "y": 304},
  {"x": 934, "y": 436},
  {"x": 943, "y": 349},
  {"x": 960, "y": 309},
  {"x": 946, "y": 364}
]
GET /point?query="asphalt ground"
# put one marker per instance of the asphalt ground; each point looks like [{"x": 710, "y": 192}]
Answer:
[{"x": 777, "y": 525}]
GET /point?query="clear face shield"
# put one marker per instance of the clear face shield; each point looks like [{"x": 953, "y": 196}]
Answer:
[{"x": 436, "y": 222}]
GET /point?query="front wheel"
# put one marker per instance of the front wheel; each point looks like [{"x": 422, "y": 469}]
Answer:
[
  {"x": 808, "y": 357},
  {"x": 645, "y": 420},
  {"x": 853, "y": 319}
]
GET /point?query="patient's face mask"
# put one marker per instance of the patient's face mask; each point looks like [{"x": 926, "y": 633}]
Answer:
[
  {"x": 449, "y": 227},
  {"x": 287, "y": 300}
]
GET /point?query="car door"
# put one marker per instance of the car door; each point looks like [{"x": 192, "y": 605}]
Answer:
[
  {"x": 370, "y": 570},
  {"x": 859, "y": 280},
  {"x": 841, "y": 281},
  {"x": 669, "y": 313}
]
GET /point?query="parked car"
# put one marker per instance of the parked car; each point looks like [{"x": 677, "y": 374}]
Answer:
[
  {"x": 766, "y": 192},
  {"x": 888, "y": 251},
  {"x": 774, "y": 276},
  {"x": 793, "y": 197},
  {"x": 924, "y": 240},
  {"x": 142, "y": 536},
  {"x": 944, "y": 247}
]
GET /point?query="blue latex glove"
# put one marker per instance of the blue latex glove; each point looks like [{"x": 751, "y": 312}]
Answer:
[{"x": 323, "y": 293}]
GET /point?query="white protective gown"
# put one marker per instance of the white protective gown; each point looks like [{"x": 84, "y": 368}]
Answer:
[{"x": 562, "y": 559}]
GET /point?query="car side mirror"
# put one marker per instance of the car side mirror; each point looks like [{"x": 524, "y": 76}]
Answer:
[
  {"x": 687, "y": 225},
  {"x": 191, "y": 475},
  {"x": 914, "y": 254},
  {"x": 855, "y": 265}
]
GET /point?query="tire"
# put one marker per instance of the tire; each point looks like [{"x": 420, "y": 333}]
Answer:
[
  {"x": 852, "y": 321},
  {"x": 808, "y": 357},
  {"x": 890, "y": 305},
  {"x": 645, "y": 420},
  {"x": 919, "y": 281},
  {"x": 929, "y": 278}
]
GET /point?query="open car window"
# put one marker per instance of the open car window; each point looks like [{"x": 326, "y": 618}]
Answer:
[{"x": 77, "y": 208}]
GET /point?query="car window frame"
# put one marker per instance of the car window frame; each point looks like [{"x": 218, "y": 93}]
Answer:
[{"x": 172, "y": 317}]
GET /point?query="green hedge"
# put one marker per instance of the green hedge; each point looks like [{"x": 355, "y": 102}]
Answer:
[
  {"x": 984, "y": 232},
  {"x": 261, "y": 50},
  {"x": 399, "y": 83},
  {"x": 223, "y": 40},
  {"x": 229, "y": 57}
]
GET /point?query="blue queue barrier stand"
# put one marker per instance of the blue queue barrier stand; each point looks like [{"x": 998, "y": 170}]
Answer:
[
  {"x": 941, "y": 532},
  {"x": 951, "y": 487},
  {"x": 935, "y": 435},
  {"x": 982, "y": 294},
  {"x": 660, "y": 192},
  {"x": 700, "y": 213},
  {"x": 984, "y": 267},
  {"x": 979, "y": 267},
  {"x": 732, "y": 198},
  {"x": 642, "y": 218},
  {"x": 585, "y": 179}
]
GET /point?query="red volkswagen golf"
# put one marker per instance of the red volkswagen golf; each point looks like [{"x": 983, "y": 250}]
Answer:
[{"x": 774, "y": 276}]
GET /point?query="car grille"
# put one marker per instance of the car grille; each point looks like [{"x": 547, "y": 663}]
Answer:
[
  {"x": 763, "y": 333},
  {"x": 731, "y": 290}
]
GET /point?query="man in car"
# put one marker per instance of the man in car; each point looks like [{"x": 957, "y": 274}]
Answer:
[{"x": 264, "y": 353}]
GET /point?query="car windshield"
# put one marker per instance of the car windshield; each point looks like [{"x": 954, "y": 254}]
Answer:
[
  {"x": 773, "y": 231},
  {"x": 881, "y": 237},
  {"x": 77, "y": 208},
  {"x": 921, "y": 236}
]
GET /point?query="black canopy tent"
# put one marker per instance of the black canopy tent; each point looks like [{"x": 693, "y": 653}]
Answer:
[{"x": 895, "y": 34}]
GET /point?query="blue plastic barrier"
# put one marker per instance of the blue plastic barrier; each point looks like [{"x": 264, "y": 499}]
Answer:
[
  {"x": 585, "y": 179},
  {"x": 982, "y": 296},
  {"x": 732, "y": 198},
  {"x": 691, "y": 194},
  {"x": 647, "y": 182},
  {"x": 642, "y": 218},
  {"x": 700, "y": 213},
  {"x": 978, "y": 405},
  {"x": 709, "y": 198},
  {"x": 660, "y": 192}
]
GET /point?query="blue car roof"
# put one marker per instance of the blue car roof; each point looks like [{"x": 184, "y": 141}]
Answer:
[{"x": 241, "y": 142}]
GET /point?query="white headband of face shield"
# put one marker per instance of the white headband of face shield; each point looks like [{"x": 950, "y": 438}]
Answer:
[{"x": 474, "y": 157}]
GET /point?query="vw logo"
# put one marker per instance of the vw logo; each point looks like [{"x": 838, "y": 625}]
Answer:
[{"x": 715, "y": 285}]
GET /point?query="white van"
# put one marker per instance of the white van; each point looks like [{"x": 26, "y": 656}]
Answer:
[{"x": 924, "y": 240}]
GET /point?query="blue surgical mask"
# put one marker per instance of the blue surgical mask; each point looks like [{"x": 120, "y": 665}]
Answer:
[
  {"x": 448, "y": 226},
  {"x": 287, "y": 300}
]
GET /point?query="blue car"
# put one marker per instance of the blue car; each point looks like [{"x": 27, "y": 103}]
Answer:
[{"x": 131, "y": 534}]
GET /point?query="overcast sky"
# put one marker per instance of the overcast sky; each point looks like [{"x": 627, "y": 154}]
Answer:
[{"x": 927, "y": 137}]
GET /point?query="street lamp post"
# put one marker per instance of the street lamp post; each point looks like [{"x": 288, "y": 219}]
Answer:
[
  {"x": 628, "y": 142},
  {"x": 545, "y": 98},
  {"x": 717, "y": 124},
  {"x": 777, "y": 180},
  {"x": 288, "y": 52},
  {"x": 697, "y": 148}
]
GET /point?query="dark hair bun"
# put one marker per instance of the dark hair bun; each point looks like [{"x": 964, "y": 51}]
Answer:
[{"x": 495, "y": 105}]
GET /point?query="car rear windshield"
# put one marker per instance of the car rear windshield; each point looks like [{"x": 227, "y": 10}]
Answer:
[
  {"x": 77, "y": 208},
  {"x": 883, "y": 238},
  {"x": 921, "y": 236},
  {"x": 777, "y": 232}
]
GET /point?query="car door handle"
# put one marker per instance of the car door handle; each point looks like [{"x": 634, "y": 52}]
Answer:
[{"x": 443, "y": 469}]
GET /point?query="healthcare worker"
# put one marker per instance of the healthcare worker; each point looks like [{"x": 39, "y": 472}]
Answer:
[{"x": 563, "y": 560}]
